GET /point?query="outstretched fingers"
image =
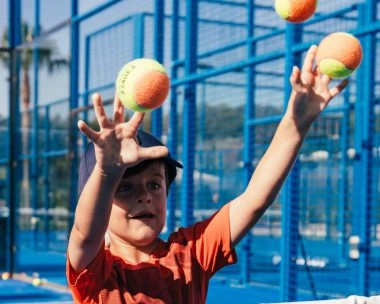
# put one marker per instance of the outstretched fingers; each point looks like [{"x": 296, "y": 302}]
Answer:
[
  {"x": 118, "y": 110},
  {"x": 99, "y": 111},
  {"x": 86, "y": 130},
  {"x": 308, "y": 63},
  {"x": 295, "y": 77},
  {"x": 308, "y": 70},
  {"x": 339, "y": 88},
  {"x": 136, "y": 120}
]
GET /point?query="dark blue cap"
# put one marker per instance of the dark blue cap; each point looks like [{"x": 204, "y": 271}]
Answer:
[{"x": 146, "y": 140}]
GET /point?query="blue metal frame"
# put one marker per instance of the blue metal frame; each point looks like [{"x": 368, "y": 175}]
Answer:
[
  {"x": 290, "y": 192},
  {"x": 364, "y": 189},
  {"x": 139, "y": 35},
  {"x": 173, "y": 116},
  {"x": 35, "y": 123},
  {"x": 249, "y": 134},
  {"x": 45, "y": 170},
  {"x": 362, "y": 204},
  {"x": 158, "y": 44},
  {"x": 189, "y": 117},
  {"x": 14, "y": 41},
  {"x": 343, "y": 180},
  {"x": 74, "y": 97}
]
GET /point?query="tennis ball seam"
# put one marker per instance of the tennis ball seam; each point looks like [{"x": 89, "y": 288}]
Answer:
[{"x": 334, "y": 68}]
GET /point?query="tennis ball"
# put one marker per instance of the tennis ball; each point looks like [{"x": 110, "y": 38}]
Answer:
[
  {"x": 142, "y": 85},
  {"x": 36, "y": 282},
  {"x": 5, "y": 276},
  {"x": 338, "y": 55},
  {"x": 295, "y": 10}
]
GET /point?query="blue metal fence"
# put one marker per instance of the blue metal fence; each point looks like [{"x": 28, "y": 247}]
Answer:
[{"x": 229, "y": 63}]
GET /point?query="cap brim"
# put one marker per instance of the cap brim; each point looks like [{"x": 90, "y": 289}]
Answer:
[
  {"x": 88, "y": 160},
  {"x": 173, "y": 162}
]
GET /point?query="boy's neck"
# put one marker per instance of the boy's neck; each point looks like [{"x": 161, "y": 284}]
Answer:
[{"x": 133, "y": 254}]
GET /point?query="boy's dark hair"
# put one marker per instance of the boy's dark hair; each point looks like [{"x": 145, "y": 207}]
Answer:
[{"x": 146, "y": 140}]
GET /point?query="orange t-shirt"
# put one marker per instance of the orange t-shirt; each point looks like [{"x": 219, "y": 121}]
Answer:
[{"x": 179, "y": 270}]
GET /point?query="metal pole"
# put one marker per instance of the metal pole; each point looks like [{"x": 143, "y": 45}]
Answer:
[
  {"x": 173, "y": 119},
  {"x": 289, "y": 194},
  {"x": 74, "y": 95},
  {"x": 363, "y": 172},
  {"x": 189, "y": 114},
  {"x": 14, "y": 41},
  {"x": 34, "y": 128},
  {"x": 249, "y": 134},
  {"x": 159, "y": 29}
]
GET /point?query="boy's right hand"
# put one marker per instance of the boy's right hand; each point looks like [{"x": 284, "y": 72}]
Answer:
[{"x": 116, "y": 143}]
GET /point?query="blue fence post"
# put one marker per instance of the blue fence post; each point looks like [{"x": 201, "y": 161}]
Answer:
[
  {"x": 74, "y": 96},
  {"x": 249, "y": 135},
  {"x": 14, "y": 40},
  {"x": 35, "y": 123},
  {"x": 173, "y": 120},
  {"x": 290, "y": 192},
  {"x": 189, "y": 114},
  {"x": 87, "y": 77},
  {"x": 343, "y": 177},
  {"x": 364, "y": 124},
  {"x": 46, "y": 167},
  {"x": 139, "y": 35},
  {"x": 200, "y": 154},
  {"x": 159, "y": 30}
]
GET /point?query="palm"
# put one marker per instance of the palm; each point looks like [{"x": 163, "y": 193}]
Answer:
[{"x": 116, "y": 144}]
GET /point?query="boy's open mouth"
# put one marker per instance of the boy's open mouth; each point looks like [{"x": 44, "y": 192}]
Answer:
[{"x": 143, "y": 215}]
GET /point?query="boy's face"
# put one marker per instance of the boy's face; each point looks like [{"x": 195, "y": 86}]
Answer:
[{"x": 139, "y": 208}]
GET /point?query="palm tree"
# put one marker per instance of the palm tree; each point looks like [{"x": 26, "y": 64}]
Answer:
[{"x": 26, "y": 53}]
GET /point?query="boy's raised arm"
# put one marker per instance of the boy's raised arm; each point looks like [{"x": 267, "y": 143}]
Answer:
[
  {"x": 116, "y": 149},
  {"x": 310, "y": 95},
  {"x": 95, "y": 202}
]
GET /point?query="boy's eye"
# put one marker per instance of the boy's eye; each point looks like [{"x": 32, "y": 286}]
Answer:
[
  {"x": 154, "y": 186},
  {"x": 123, "y": 188},
  {"x": 127, "y": 187}
]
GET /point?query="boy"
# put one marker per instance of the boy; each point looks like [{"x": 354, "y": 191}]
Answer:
[{"x": 123, "y": 192}]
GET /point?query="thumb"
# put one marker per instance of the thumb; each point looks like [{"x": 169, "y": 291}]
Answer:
[{"x": 153, "y": 152}]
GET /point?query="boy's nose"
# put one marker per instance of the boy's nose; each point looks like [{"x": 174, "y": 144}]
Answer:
[{"x": 144, "y": 196}]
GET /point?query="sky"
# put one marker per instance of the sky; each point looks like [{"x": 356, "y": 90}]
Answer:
[{"x": 53, "y": 12}]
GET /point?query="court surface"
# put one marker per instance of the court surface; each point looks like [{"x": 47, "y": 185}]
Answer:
[
  {"x": 50, "y": 268},
  {"x": 18, "y": 291}
]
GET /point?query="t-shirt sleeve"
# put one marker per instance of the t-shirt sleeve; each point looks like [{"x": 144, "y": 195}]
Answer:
[
  {"x": 211, "y": 241},
  {"x": 85, "y": 284}
]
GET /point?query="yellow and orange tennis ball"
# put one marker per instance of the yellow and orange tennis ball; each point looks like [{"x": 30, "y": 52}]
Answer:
[
  {"x": 295, "y": 10},
  {"x": 142, "y": 85},
  {"x": 37, "y": 282},
  {"x": 338, "y": 55}
]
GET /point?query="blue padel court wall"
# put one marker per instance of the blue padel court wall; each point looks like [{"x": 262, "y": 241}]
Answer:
[{"x": 229, "y": 64}]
